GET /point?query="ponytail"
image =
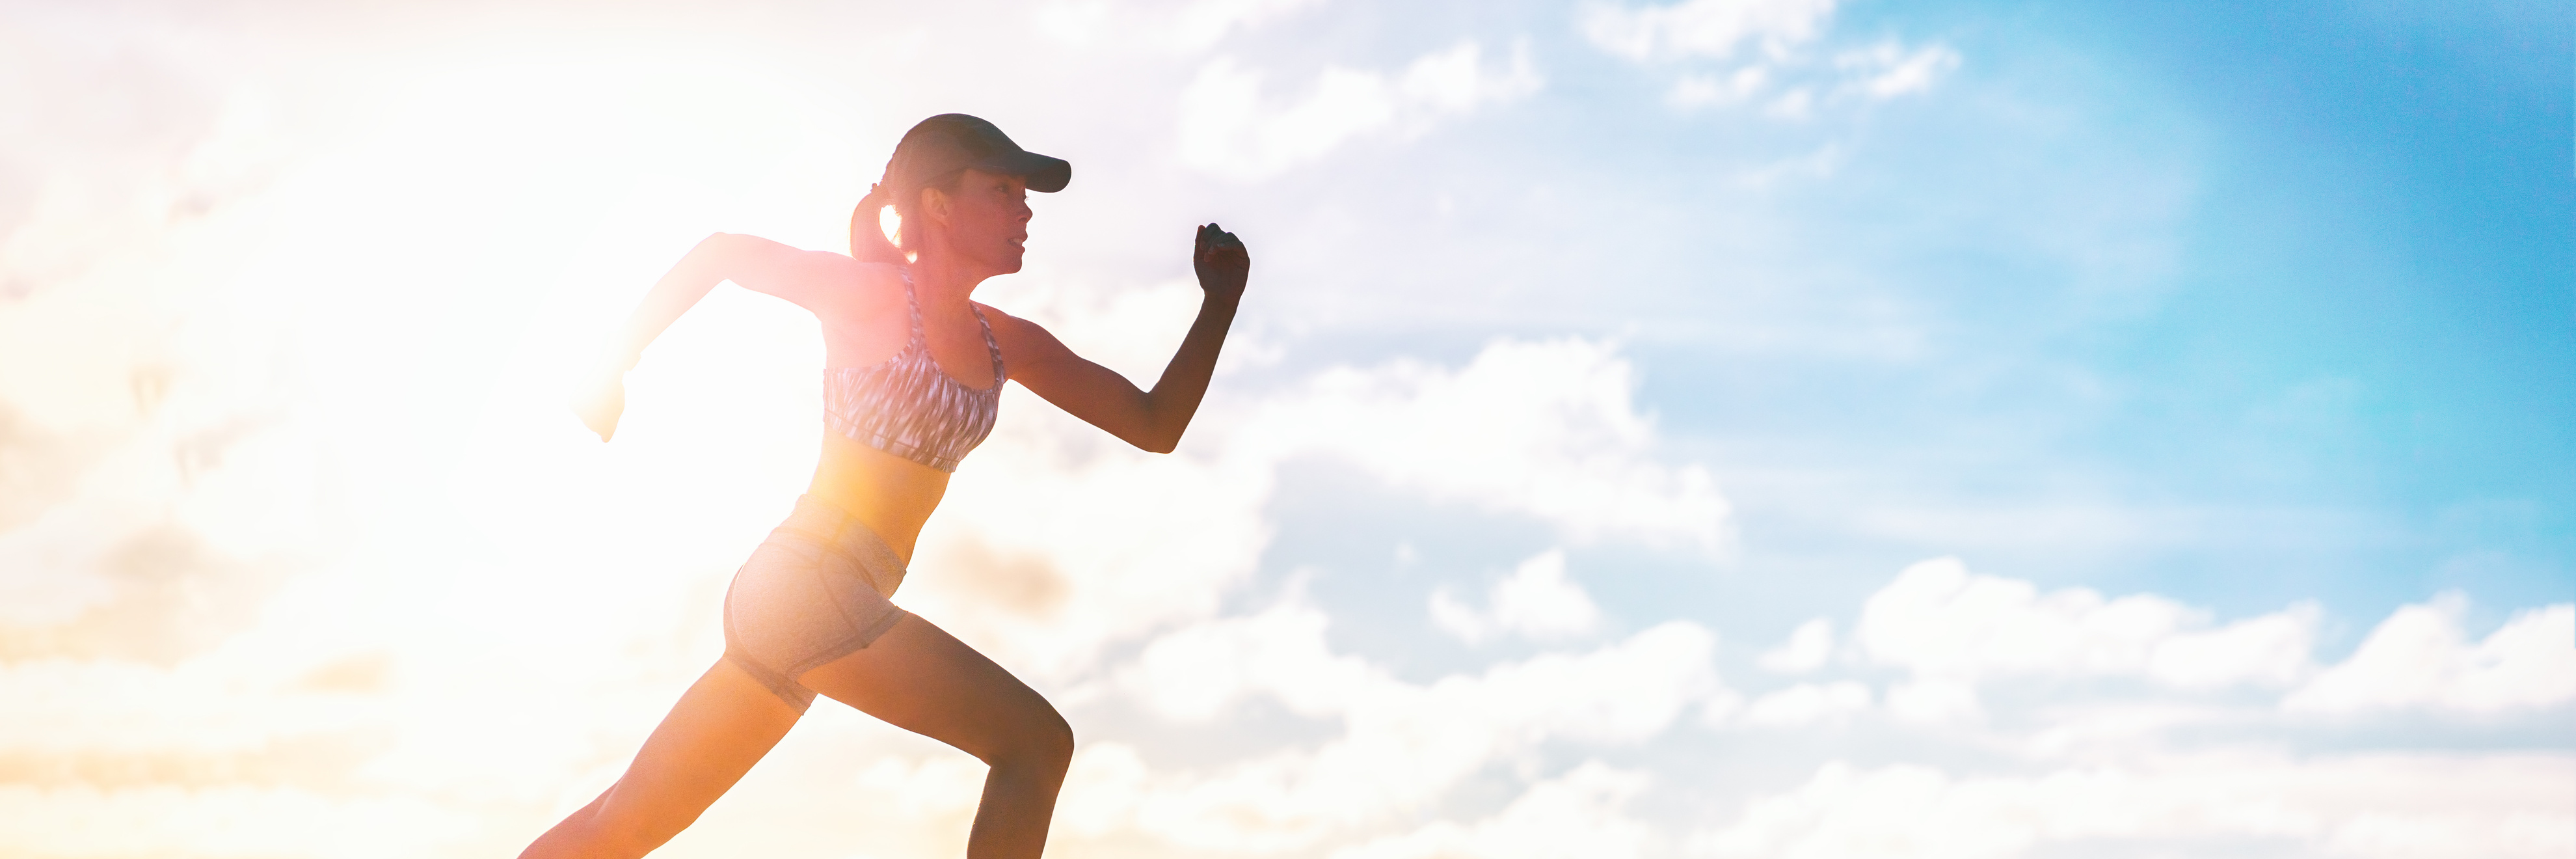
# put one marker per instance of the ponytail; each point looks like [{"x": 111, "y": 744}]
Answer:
[{"x": 867, "y": 233}]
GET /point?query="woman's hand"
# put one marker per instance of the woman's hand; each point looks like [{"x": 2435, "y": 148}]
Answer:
[
  {"x": 600, "y": 401},
  {"x": 1221, "y": 263}
]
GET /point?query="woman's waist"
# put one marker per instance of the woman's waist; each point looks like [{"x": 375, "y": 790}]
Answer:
[
  {"x": 889, "y": 495},
  {"x": 859, "y": 549}
]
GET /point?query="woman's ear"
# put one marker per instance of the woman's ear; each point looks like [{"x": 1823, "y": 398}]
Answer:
[{"x": 934, "y": 205}]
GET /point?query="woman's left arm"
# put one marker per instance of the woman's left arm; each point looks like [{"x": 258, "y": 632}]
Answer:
[{"x": 1152, "y": 420}]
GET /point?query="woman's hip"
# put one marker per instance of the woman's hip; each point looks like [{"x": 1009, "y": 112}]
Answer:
[{"x": 818, "y": 589}]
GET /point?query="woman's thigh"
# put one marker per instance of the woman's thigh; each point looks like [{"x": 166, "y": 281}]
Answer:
[
  {"x": 918, "y": 677},
  {"x": 722, "y": 726}
]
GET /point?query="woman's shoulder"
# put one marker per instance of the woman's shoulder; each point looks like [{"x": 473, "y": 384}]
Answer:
[
  {"x": 880, "y": 276},
  {"x": 1004, "y": 324},
  {"x": 867, "y": 287},
  {"x": 1019, "y": 336}
]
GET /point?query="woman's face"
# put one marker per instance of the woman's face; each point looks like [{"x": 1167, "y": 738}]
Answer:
[{"x": 988, "y": 221}]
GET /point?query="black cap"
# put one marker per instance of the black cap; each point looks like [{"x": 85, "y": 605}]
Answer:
[{"x": 951, "y": 142}]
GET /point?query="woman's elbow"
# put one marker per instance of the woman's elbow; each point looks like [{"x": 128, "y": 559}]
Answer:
[
  {"x": 1153, "y": 434},
  {"x": 710, "y": 250},
  {"x": 1151, "y": 442}
]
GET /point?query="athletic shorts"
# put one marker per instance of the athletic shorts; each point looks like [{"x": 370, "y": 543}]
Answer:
[{"x": 815, "y": 591}]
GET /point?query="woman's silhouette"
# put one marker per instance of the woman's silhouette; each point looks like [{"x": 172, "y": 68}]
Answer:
[{"x": 912, "y": 371}]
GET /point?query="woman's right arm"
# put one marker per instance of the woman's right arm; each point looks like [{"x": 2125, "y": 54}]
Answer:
[{"x": 754, "y": 262}]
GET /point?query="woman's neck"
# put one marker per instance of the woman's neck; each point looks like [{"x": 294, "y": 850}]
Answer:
[{"x": 943, "y": 279}]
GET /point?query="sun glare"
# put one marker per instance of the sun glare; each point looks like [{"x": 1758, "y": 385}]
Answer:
[{"x": 429, "y": 279}]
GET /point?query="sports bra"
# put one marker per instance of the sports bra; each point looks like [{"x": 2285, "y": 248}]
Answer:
[{"x": 906, "y": 406}]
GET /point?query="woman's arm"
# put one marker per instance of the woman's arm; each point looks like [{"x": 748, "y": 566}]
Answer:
[
  {"x": 1151, "y": 420},
  {"x": 804, "y": 277},
  {"x": 807, "y": 278}
]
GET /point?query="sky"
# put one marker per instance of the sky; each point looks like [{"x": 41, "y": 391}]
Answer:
[{"x": 1714, "y": 428}]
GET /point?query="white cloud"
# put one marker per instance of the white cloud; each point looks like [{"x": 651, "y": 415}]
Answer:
[
  {"x": 1403, "y": 744},
  {"x": 1536, "y": 600},
  {"x": 2499, "y": 806},
  {"x": 48, "y": 567},
  {"x": 1577, "y": 814},
  {"x": 1942, "y": 622},
  {"x": 1229, "y": 127},
  {"x": 1798, "y": 103},
  {"x": 1694, "y": 90},
  {"x": 1890, "y": 69},
  {"x": 2269, "y": 650},
  {"x": 1808, "y": 704},
  {"x": 1806, "y": 650},
  {"x": 2420, "y": 658},
  {"x": 1419, "y": 741},
  {"x": 1561, "y": 411},
  {"x": 1699, "y": 33},
  {"x": 1704, "y": 28},
  {"x": 1456, "y": 80},
  {"x": 1194, "y": 673},
  {"x": 1934, "y": 701}
]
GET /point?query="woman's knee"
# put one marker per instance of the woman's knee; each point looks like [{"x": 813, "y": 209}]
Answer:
[
  {"x": 1041, "y": 739},
  {"x": 1058, "y": 740}
]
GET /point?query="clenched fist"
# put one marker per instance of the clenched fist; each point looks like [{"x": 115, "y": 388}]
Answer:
[{"x": 1221, "y": 263}]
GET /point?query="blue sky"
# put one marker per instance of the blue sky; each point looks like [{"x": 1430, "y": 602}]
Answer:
[
  {"x": 1714, "y": 428},
  {"x": 2287, "y": 289},
  {"x": 2356, "y": 304}
]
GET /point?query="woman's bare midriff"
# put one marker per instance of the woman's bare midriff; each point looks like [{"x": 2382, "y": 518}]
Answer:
[{"x": 889, "y": 494}]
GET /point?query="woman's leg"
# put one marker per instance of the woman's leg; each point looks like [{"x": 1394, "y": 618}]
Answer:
[
  {"x": 918, "y": 677},
  {"x": 722, "y": 725}
]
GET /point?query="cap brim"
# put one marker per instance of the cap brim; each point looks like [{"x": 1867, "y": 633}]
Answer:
[{"x": 1045, "y": 175}]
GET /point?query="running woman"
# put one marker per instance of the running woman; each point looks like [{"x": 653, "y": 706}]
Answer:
[{"x": 912, "y": 374}]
